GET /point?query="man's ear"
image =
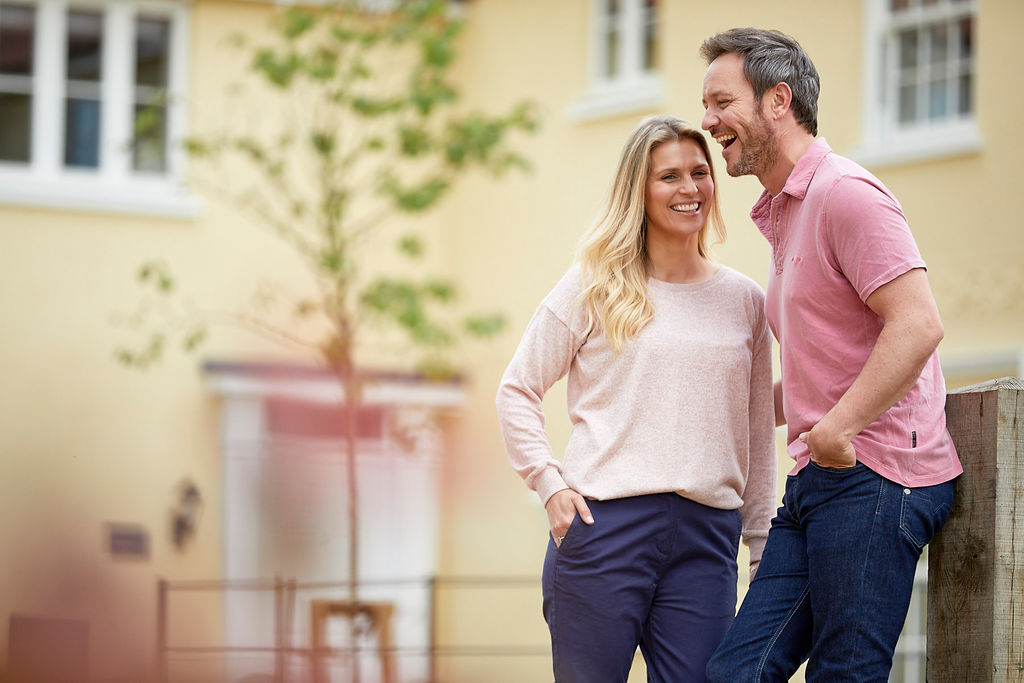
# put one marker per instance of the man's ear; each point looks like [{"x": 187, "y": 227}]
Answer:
[{"x": 777, "y": 100}]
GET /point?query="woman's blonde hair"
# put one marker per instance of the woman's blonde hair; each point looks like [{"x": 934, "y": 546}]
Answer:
[{"x": 613, "y": 251}]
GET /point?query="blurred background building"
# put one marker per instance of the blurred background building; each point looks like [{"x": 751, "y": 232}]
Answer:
[{"x": 220, "y": 474}]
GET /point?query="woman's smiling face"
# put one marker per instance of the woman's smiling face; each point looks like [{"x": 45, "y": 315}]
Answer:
[{"x": 679, "y": 190}]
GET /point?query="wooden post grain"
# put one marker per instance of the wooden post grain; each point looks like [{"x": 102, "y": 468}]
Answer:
[{"x": 976, "y": 563}]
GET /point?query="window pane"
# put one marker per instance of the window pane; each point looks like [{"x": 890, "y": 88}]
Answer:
[
  {"x": 82, "y": 133},
  {"x": 611, "y": 66},
  {"x": 17, "y": 29},
  {"x": 908, "y": 48},
  {"x": 15, "y": 126},
  {"x": 650, "y": 35},
  {"x": 908, "y": 104},
  {"x": 966, "y": 38},
  {"x": 939, "y": 40},
  {"x": 152, "y": 48},
  {"x": 964, "y": 95},
  {"x": 85, "y": 45},
  {"x": 149, "y": 153},
  {"x": 938, "y": 99}
]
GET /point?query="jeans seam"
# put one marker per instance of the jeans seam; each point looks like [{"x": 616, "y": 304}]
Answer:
[
  {"x": 778, "y": 632},
  {"x": 864, "y": 568}
]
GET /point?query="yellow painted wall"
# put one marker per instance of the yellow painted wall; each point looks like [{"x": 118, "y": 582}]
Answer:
[{"x": 84, "y": 441}]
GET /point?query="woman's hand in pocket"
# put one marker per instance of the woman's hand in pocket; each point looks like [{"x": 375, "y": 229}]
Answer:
[{"x": 561, "y": 508}]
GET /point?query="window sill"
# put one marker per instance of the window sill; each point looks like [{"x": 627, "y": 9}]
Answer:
[
  {"x": 936, "y": 143},
  {"x": 138, "y": 196},
  {"x": 616, "y": 98}
]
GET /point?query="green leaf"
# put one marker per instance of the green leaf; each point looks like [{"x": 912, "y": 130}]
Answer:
[
  {"x": 371, "y": 106},
  {"x": 411, "y": 246},
  {"x": 484, "y": 325},
  {"x": 193, "y": 339},
  {"x": 428, "y": 91},
  {"x": 158, "y": 274},
  {"x": 251, "y": 148},
  {"x": 198, "y": 147},
  {"x": 437, "y": 51},
  {"x": 278, "y": 70},
  {"x": 323, "y": 143},
  {"x": 440, "y": 290},
  {"x": 296, "y": 21},
  {"x": 414, "y": 141},
  {"x": 418, "y": 197},
  {"x": 332, "y": 261},
  {"x": 324, "y": 65}
]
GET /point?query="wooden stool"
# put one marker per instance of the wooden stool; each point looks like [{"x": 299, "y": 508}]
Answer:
[{"x": 379, "y": 614}]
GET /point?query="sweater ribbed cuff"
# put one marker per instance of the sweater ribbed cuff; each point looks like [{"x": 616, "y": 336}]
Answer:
[
  {"x": 756, "y": 546},
  {"x": 548, "y": 484}
]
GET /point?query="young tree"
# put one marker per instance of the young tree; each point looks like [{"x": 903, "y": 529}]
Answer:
[{"x": 369, "y": 128}]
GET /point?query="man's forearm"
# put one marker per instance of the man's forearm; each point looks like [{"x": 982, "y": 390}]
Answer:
[{"x": 892, "y": 368}]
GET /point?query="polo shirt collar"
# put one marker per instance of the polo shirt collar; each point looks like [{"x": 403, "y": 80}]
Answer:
[
  {"x": 800, "y": 177},
  {"x": 796, "y": 185}
]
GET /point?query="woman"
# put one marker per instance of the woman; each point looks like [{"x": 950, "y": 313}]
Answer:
[{"x": 672, "y": 453}]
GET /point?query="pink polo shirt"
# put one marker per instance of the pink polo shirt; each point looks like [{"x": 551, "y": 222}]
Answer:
[{"x": 837, "y": 234}]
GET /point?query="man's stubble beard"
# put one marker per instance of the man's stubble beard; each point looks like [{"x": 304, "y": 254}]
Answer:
[{"x": 760, "y": 150}]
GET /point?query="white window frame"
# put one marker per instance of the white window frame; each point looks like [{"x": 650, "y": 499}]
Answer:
[
  {"x": 634, "y": 88},
  {"x": 884, "y": 142},
  {"x": 114, "y": 186}
]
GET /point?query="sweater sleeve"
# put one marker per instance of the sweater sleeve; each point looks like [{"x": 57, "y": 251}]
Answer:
[
  {"x": 543, "y": 357},
  {"x": 760, "y": 494}
]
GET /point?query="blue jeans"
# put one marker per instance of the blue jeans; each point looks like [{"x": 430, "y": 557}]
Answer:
[
  {"x": 835, "y": 579},
  {"x": 658, "y": 571}
]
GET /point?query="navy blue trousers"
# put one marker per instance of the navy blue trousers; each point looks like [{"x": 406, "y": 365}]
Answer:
[{"x": 655, "y": 571}]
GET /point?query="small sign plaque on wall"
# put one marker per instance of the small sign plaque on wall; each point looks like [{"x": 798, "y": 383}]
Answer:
[{"x": 127, "y": 541}]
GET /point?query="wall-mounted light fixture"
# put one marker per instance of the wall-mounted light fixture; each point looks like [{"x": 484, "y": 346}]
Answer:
[{"x": 185, "y": 513}]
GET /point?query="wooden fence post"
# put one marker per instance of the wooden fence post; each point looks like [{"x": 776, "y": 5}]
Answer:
[{"x": 976, "y": 563}]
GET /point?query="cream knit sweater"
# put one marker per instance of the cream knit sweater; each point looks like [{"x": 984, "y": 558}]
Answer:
[{"x": 686, "y": 406}]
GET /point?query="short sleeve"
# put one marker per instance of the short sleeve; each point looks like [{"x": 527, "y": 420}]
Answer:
[{"x": 868, "y": 235}]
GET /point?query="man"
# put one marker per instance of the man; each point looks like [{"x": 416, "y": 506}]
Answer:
[{"x": 861, "y": 389}]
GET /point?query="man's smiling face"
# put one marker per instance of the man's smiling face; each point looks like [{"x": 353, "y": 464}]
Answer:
[{"x": 735, "y": 119}]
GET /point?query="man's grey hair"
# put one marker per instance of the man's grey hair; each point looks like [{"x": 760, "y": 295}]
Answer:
[{"x": 769, "y": 58}]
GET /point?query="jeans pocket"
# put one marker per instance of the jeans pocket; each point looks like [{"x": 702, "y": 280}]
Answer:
[
  {"x": 856, "y": 467},
  {"x": 923, "y": 512}
]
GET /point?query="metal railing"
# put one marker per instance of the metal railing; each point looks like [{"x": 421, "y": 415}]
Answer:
[{"x": 284, "y": 648}]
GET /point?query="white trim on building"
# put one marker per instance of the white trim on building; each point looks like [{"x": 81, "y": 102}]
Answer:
[{"x": 623, "y": 75}]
